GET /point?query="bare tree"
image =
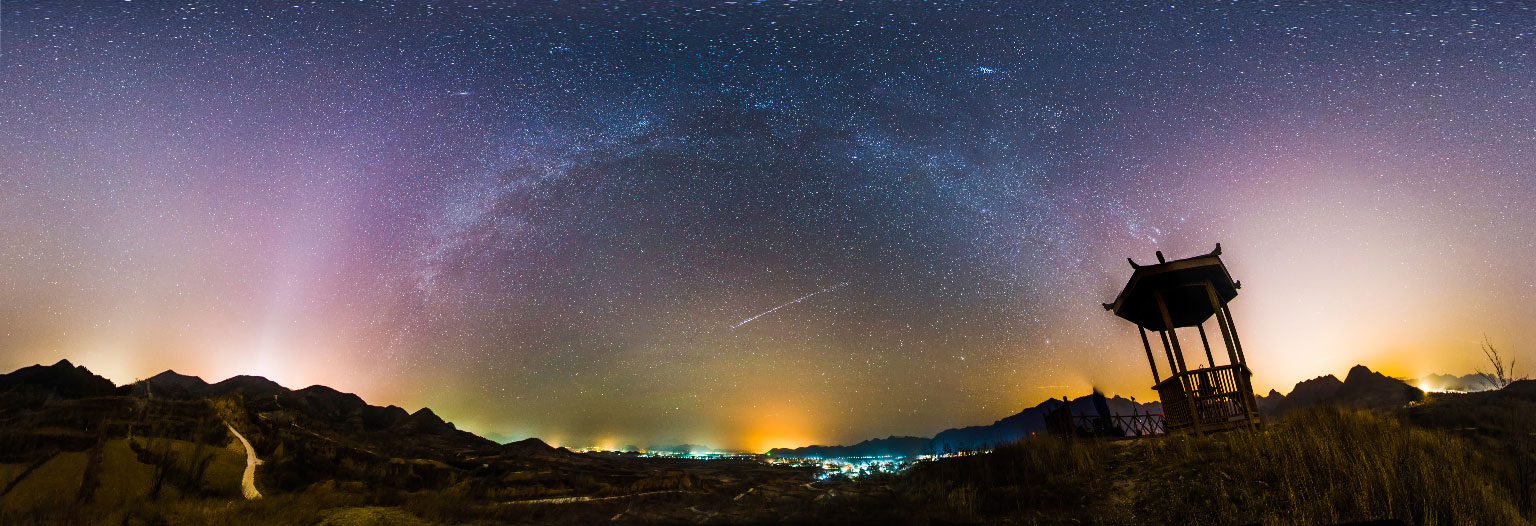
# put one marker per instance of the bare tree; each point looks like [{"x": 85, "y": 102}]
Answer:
[{"x": 1503, "y": 373}]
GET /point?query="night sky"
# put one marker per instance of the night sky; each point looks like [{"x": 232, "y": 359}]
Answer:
[{"x": 556, "y": 219}]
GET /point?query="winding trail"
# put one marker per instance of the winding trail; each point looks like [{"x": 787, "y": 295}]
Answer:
[{"x": 248, "y": 480}]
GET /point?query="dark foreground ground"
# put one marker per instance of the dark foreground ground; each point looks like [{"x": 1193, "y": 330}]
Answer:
[{"x": 101, "y": 454}]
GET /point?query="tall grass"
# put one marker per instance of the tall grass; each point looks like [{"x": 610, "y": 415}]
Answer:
[
  {"x": 1321, "y": 466},
  {"x": 1325, "y": 466},
  {"x": 1036, "y": 479}
]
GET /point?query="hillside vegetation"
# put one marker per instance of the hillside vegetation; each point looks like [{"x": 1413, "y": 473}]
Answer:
[{"x": 1325, "y": 465}]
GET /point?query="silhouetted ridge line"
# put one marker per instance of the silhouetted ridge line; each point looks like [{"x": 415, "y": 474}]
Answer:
[
  {"x": 1007, "y": 429},
  {"x": 316, "y": 408},
  {"x": 1361, "y": 388},
  {"x": 62, "y": 379}
]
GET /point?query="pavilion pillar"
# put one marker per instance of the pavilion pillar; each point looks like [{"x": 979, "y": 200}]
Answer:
[
  {"x": 1173, "y": 364},
  {"x": 1150, "y": 360},
  {"x": 1234, "y": 351},
  {"x": 1209, "y": 359},
  {"x": 1184, "y": 384},
  {"x": 1221, "y": 321},
  {"x": 1172, "y": 336},
  {"x": 1237, "y": 342},
  {"x": 1245, "y": 376}
]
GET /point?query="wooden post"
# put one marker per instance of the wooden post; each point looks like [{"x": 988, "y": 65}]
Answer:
[
  {"x": 1210, "y": 361},
  {"x": 1244, "y": 375},
  {"x": 1236, "y": 342},
  {"x": 1172, "y": 336},
  {"x": 1178, "y": 352},
  {"x": 1234, "y": 350},
  {"x": 1194, "y": 410},
  {"x": 1168, "y": 350},
  {"x": 1221, "y": 322},
  {"x": 1150, "y": 360}
]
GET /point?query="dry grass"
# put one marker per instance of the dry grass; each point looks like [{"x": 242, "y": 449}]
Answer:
[
  {"x": 1035, "y": 480},
  {"x": 1322, "y": 466},
  {"x": 1326, "y": 466},
  {"x": 54, "y": 483}
]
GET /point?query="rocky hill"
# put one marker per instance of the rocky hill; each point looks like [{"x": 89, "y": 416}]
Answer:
[
  {"x": 1362, "y": 388},
  {"x": 171, "y": 449}
]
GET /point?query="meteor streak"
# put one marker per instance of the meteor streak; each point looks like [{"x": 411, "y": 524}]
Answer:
[{"x": 797, "y": 300}]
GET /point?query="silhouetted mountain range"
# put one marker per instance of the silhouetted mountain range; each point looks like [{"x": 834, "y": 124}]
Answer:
[
  {"x": 38, "y": 382},
  {"x": 170, "y": 384},
  {"x": 317, "y": 425},
  {"x": 679, "y": 448},
  {"x": 1030, "y": 421},
  {"x": 316, "y": 407},
  {"x": 1008, "y": 429},
  {"x": 323, "y": 411},
  {"x": 1306, "y": 393},
  {"x": 875, "y": 447},
  {"x": 1361, "y": 388},
  {"x": 313, "y": 409},
  {"x": 1470, "y": 383}
]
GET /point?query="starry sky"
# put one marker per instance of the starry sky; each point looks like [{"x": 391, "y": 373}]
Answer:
[{"x": 552, "y": 219}]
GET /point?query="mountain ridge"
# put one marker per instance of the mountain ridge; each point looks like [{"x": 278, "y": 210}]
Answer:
[
  {"x": 1007, "y": 429},
  {"x": 325, "y": 406},
  {"x": 348, "y": 412},
  {"x": 1361, "y": 388}
]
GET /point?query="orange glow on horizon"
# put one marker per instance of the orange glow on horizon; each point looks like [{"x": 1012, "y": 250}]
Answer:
[{"x": 774, "y": 426}]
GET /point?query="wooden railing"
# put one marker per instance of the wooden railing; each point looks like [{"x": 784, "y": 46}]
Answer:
[
  {"x": 1208, "y": 399},
  {"x": 1061, "y": 422}
]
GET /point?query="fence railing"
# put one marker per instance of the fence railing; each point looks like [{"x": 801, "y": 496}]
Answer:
[
  {"x": 1215, "y": 397},
  {"x": 1061, "y": 422}
]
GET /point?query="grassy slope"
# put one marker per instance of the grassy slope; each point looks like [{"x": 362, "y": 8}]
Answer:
[
  {"x": 1327, "y": 466},
  {"x": 57, "y": 480},
  {"x": 1321, "y": 466},
  {"x": 109, "y": 480}
]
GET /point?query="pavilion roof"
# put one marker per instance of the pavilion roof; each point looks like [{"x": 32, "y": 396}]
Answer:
[{"x": 1181, "y": 283}]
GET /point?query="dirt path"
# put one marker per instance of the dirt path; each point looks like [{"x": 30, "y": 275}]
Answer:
[
  {"x": 1124, "y": 469},
  {"x": 248, "y": 480}
]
